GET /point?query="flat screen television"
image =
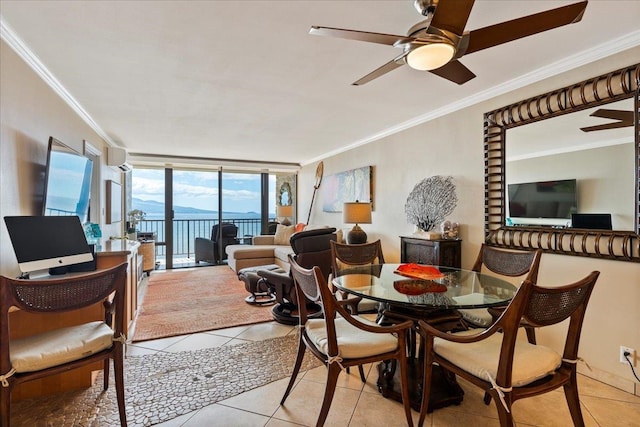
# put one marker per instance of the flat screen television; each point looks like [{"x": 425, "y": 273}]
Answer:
[
  {"x": 67, "y": 183},
  {"x": 47, "y": 242},
  {"x": 543, "y": 199}
]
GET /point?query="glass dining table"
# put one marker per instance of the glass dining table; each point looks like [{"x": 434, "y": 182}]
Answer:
[{"x": 432, "y": 293}]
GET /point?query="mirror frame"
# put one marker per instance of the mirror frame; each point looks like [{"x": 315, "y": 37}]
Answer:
[{"x": 607, "y": 244}]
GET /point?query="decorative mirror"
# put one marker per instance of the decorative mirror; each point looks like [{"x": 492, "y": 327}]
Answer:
[
  {"x": 285, "y": 194},
  {"x": 613, "y": 126}
]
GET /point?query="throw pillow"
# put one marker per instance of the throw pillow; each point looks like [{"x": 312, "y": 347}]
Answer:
[
  {"x": 300, "y": 226},
  {"x": 283, "y": 233}
]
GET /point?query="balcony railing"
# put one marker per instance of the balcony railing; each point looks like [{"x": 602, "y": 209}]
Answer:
[{"x": 185, "y": 232}]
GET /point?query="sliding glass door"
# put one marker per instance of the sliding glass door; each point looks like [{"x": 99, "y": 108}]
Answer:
[{"x": 183, "y": 205}]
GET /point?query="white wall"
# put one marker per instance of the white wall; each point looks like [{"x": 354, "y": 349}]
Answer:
[
  {"x": 604, "y": 177},
  {"x": 30, "y": 112},
  {"x": 453, "y": 145}
]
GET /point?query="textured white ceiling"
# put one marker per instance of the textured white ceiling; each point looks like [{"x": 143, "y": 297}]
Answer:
[{"x": 245, "y": 80}]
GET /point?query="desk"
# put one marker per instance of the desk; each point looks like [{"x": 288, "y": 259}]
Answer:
[{"x": 407, "y": 297}]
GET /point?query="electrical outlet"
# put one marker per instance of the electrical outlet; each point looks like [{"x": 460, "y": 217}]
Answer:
[{"x": 631, "y": 357}]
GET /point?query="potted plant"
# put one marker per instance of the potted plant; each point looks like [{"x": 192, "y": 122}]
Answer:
[{"x": 134, "y": 217}]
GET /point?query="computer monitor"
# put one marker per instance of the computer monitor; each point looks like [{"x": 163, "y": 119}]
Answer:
[
  {"x": 47, "y": 242},
  {"x": 592, "y": 221}
]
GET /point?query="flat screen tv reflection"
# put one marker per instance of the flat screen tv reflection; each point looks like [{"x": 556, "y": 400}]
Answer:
[{"x": 48, "y": 242}]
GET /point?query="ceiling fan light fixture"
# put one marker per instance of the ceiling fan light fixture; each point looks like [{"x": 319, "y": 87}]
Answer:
[{"x": 430, "y": 56}]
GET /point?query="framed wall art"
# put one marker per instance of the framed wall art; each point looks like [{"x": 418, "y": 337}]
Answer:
[
  {"x": 347, "y": 186},
  {"x": 114, "y": 202}
]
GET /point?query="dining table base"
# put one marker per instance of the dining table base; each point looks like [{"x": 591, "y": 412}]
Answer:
[{"x": 445, "y": 390}]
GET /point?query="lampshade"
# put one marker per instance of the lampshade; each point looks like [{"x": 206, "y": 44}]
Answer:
[
  {"x": 430, "y": 56},
  {"x": 284, "y": 211},
  {"x": 356, "y": 213}
]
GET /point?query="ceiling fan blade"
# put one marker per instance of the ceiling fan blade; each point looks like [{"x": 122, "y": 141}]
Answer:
[
  {"x": 389, "y": 66},
  {"x": 504, "y": 32},
  {"x": 364, "y": 36},
  {"x": 452, "y": 15},
  {"x": 622, "y": 115},
  {"x": 454, "y": 71},
  {"x": 622, "y": 119},
  {"x": 608, "y": 126}
]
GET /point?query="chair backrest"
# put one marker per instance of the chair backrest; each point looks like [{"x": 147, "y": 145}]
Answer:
[
  {"x": 228, "y": 230},
  {"x": 544, "y": 306},
  {"x": 509, "y": 263},
  {"x": 313, "y": 248},
  {"x": 344, "y": 256},
  {"x": 311, "y": 283},
  {"x": 59, "y": 295}
]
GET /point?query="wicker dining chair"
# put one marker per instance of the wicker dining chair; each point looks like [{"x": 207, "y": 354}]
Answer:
[
  {"x": 508, "y": 368},
  {"x": 505, "y": 263},
  {"x": 341, "y": 339},
  {"x": 60, "y": 350},
  {"x": 345, "y": 256}
]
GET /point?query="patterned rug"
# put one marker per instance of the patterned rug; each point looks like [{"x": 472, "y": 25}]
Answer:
[
  {"x": 200, "y": 299},
  {"x": 163, "y": 386}
]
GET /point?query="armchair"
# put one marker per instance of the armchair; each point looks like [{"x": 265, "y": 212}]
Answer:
[
  {"x": 311, "y": 248},
  {"x": 212, "y": 250}
]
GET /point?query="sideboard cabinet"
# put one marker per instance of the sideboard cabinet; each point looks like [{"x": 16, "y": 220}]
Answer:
[{"x": 446, "y": 253}]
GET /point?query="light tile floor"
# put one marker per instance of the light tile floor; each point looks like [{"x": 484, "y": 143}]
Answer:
[{"x": 358, "y": 404}]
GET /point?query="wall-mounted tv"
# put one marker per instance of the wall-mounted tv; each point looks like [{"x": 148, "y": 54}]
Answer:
[
  {"x": 543, "y": 199},
  {"x": 67, "y": 186}
]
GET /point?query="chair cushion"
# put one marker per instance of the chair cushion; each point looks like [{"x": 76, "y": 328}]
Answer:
[
  {"x": 477, "y": 316},
  {"x": 352, "y": 342},
  {"x": 530, "y": 362},
  {"x": 59, "y": 346}
]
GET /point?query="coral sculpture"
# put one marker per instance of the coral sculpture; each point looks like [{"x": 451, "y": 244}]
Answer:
[{"x": 430, "y": 201}]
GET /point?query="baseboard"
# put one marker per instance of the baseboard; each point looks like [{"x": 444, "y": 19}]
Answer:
[{"x": 616, "y": 381}]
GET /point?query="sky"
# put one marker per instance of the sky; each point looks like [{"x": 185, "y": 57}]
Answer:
[{"x": 199, "y": 189}]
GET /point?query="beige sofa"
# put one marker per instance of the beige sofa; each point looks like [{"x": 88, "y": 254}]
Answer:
[
  {"x": 263, "y": 251},
  {"x": 266, "y": 249}
]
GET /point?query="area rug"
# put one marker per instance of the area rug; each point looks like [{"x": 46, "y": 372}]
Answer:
[
  {"x": 195, "y": 300},
  {"x": 163, "y": 386}
]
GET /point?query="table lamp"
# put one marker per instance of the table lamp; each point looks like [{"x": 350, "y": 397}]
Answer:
[
  {"x": 284, "y": 212},
  {"x": 356, "y": 213}
]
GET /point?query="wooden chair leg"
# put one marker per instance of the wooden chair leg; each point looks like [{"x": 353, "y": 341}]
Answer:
[
  {"x": 504, "y": 414},
  {"x": 105, "y": 371},
  {"x": 5, "y": 405},
  {"x": 332, "y": 381},
  {"x": 406, "y": 401},
  {"x": 118, "y": 371},
  {"x": 427, "y": 369},
  {"x": 362, "y": 377},
  {"x": 571, "y": 395},
  {"x": 296, "y": 369},
  {"x": 531, "y": 334}
]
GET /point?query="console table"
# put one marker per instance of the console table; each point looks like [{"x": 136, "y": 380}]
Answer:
[
  {"x": 447, "y": 253},
  {"x": 112, "y": 253}
]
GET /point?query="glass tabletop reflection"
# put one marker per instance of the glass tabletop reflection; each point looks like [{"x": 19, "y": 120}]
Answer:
[{"x": 455, "y": 288}]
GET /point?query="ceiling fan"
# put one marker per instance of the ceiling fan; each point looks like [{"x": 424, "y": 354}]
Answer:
[
  {"x": 621, "y": 119},
  {"x": 437, "y": 43}
]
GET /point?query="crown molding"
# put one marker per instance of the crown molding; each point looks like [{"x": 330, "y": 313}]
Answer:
[
  {"x": 598, "y": 52},
  {"x": 21, "y": 49}
]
